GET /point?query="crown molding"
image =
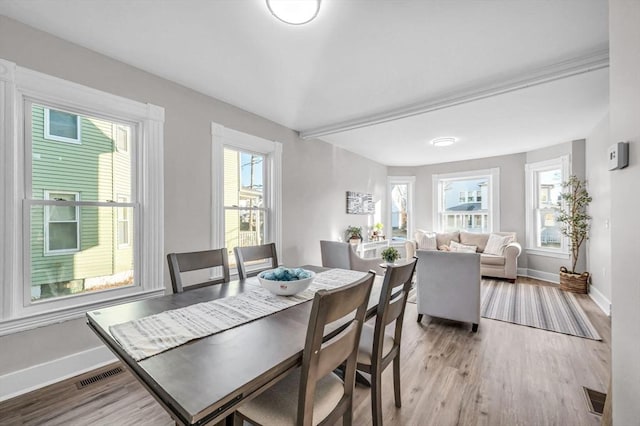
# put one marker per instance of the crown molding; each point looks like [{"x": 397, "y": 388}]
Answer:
[{"x": 590, "y": 62}]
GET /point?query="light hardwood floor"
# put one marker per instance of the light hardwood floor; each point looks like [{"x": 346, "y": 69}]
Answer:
[{"x": 505, "y": 374}]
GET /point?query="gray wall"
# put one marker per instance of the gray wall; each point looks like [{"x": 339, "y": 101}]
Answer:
[
  {"x": 511, "y": 190},
  {"x": 512, "y": 194},
  {"x": 599, "y": 181},
  {"x": 315, "y": 174},
  {"x": 624, "y": 16}
]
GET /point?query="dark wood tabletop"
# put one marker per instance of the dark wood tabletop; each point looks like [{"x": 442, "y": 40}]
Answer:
[{"x": 203, "y": 380}]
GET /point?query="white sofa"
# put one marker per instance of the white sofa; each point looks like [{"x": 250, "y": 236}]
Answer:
[
  {"x": 448, "y": 286},
  {"x": 491, "y": 265}
]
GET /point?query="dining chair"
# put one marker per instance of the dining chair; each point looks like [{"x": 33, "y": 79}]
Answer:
[
  {"x": 194, "y": 261},
  {"x": 336, "y": 254},
  {"x": 253, "y": 253},
  {"x": 377, "y": 348},
  {"x": 312, "y": 394}
]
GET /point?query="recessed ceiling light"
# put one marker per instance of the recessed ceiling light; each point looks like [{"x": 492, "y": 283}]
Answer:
[
  {"x": 443, "y": 141},
  {"x": 294, "y": 12}
]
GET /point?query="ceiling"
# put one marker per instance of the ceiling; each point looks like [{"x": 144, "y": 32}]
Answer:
[{"x": 364, "y": 59}]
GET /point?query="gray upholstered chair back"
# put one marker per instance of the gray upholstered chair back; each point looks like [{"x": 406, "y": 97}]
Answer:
[
  {"x": 335, "y": 254},
  {"x": 448, "y": 285}
]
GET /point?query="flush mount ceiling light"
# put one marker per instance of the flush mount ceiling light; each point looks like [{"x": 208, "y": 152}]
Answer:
[
  {"x": 294, "y": 12},
  {"x": 444, "y": 141}
]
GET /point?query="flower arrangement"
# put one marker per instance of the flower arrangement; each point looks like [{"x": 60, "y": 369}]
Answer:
[{"x": 390, "y": 254}]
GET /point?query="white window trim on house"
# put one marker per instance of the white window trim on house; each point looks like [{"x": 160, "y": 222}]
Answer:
[
  {"x": 123, "y": 149},
  {"x": 494, "y": 195},
  {"x": 47, "y": 129},
  {"x": 119, "y": 219},
  {"x": 47, "y": 252},
  {"x": 410, "y": 181},
  {"x": 19, "y": 85},
  {"x": 531, "y": 194},
  {"x": 225, "y": 137}
]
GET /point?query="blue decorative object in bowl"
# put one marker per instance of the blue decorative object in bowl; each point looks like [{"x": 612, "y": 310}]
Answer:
[{"x": 286, "y": 281}]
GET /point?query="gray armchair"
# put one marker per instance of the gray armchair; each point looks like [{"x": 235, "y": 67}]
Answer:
[
  {"x": 448, "y": 286},
  {"x": 336, "y": 254}
]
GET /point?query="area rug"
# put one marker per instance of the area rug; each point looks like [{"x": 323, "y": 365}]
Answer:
[{"x": 545, "y": 307}]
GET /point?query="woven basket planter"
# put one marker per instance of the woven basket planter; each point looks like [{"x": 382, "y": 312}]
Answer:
[{"x": 575, "y": 283}]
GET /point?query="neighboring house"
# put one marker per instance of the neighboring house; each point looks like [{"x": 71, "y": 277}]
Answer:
[
  {"x": 466, "y": 205},
  {"x": 79, "y": 248}
]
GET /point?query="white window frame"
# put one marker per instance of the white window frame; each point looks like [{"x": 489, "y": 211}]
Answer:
[
  {"x": 410, "y": 181},
  {"x": 47, "y": 251},
  {"x": 272, "y": 150},
  {"x": 494, "y": 195},
  {"x": 122, "y": 199},
  {"x": 531, "y": 196},
  {"x": 47, "y": 128},
  {"x": 18, "y": 86}
]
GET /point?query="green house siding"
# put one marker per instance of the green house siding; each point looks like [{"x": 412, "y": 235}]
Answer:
[{"x": 89, "y": 169}]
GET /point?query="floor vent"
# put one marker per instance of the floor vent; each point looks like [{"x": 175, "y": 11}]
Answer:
[
  {"x": 98, "y": 377},
  {"x": 595, "y": 400}
]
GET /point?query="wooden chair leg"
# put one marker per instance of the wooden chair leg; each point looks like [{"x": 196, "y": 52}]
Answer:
[
  {"x": 376, "y": 397},
  {"x": 474, "y": 327},
  {"x": 419, "y": 317},
  {"x": 347, "y": 418},
  {"x": 237, "y": 420},
  {"x": 396, "y": 380}
]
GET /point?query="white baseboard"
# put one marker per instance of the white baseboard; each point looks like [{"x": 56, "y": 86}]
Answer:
[
  {"x": 35, "y": 377},
  {"x": 600, "y": 300},
  {"x": 552, "y": 277}
]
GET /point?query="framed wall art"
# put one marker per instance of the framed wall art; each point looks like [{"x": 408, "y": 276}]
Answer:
[{"x": 359, "y": 203}]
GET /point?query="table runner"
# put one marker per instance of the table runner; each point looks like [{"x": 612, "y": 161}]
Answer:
[{"x": 148, "y": 336}]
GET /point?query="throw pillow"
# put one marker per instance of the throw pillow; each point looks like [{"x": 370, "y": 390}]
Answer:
[
  {"x": 474, "y": 239},
  {"x": 497, "y": 243},
  {"x": 445, "y": 239},
  {"x": 461, "y": 248},
  {"x": 426, "y": 240}
]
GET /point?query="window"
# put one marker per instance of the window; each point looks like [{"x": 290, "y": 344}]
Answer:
[
  {"x": 544, "y": 186},
  {"x": 78, "y": 233},
  {"x": 246, "y": 191},
  {"x": 61, "y": 126},
  {"x": 467, "y": 201},
  {"x": 61, "y": 224},
  {"x": 245, "y": 210},
  {"x": 400, "y": 207},
  {"x": 75, "y": 225}
]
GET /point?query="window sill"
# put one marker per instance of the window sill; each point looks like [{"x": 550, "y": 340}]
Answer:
[
  {"x": 548, "y": 253},
  {"x": 25, "y": 323}
]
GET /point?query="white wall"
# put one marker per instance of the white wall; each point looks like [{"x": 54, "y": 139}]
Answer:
[
  {"x": 599, "y": 243},
  {"x": 316, "y": 175},
  {"x": 624, "y": 39}
]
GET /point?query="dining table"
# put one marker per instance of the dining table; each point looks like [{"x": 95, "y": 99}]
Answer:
[{"x": 203, "y": 381}]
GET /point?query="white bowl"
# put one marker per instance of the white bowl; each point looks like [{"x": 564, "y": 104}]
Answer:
[{"x": 286, "y": 288}]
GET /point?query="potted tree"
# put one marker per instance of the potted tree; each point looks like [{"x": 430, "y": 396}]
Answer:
[
  {"x": 574, "y": 222},
  {"x": 354, "y": 234}
]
